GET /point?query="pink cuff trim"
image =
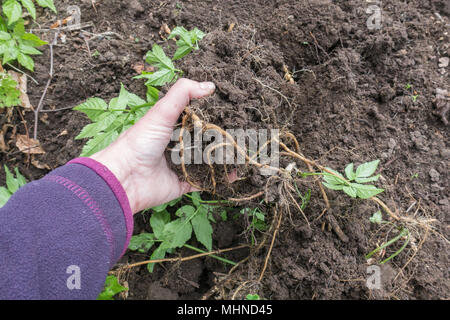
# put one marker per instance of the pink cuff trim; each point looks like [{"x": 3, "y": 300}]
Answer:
[{"x": 116, "y": 188}]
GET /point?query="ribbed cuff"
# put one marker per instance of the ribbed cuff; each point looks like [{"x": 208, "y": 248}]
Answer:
[{"x": 116, "y": 188}]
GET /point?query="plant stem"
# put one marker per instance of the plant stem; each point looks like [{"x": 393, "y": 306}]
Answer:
[
  {"x": 402, "y": 233},
  {"x": 211, "y": 255}
]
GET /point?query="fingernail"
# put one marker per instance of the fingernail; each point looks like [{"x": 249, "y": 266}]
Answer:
[{"x": 207, "y": 86}]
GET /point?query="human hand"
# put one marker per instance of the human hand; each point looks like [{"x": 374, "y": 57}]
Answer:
[{"x": 137, "y": 159}]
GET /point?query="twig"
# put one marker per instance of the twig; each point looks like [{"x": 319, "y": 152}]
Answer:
[
  {"x": 18, "y": 70},
  {"x": 181, "y": 259},
  {"x": 271, "y": 246},
  {"x": 41, "y": 101}
]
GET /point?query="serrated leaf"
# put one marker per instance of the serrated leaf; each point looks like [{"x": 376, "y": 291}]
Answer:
[
  {"x": 350, "y": 191},
  {"x": 152, "y": 94},
  {"x": 142, "y": 242},
  {"x": 28, "y": 49},
  {"x": 47, "y": 4},
  {"x": 93, "y": 129},
  {"x": 11, "y": 182},
  {"x": 377, "y": 217},
  {"x": 158, "y": 58},
  {"x": 176, "y": 233},
  {"x": 185, "y": 211},
  {"x": 367, "y": 169},
  {"x": 98, "y": 143},
  {"x": 12, "y": 10},
  {"x": 181, "y": 52},
  {"x": 157, "y": 221},
  {"x": 20, "y": 178},
  {"x": 159, "y": 78},
  {"x": 93, "y": 108},
  {"x": 33, "y": 40},
  {"x": 333, "y": 186},
  {"x": 349, "y": 173},
  {"x": 159, "y": 253},
  {"x": 202, "y": 228},
  {"x": 29, "y": 5},
  {"x": 5, "y": 35},
  {"x": 112, "y": 287},
  {"x": 370, "y": 179},
  {"x": 26, "y": 61},
  {"x": 4, "y": 196},
  {"x": 365, "y": 191}
]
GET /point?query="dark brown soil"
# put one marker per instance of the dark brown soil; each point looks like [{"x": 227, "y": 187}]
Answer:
[{"x": 349, "y": 103}]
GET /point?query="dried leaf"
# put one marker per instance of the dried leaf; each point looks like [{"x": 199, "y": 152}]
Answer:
[
  {"x": 40, "y": 165},
  {"x": 21, "y": 80},
  {"x": 28, "y": 145}
]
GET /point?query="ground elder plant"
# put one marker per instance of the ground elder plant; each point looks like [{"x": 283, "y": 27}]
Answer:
[
  {"x": 15, "y": 43},
  {"x": 13, "y": 183}
]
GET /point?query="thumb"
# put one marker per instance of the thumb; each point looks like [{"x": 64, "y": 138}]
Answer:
[{"x": 169, "y": 108}]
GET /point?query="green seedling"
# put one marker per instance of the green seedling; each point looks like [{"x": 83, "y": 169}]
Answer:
[
  {"x": 112, "y": 287},
  {"x": 167, "y": 73},
  {"x": 169, "y": 234},
  {"x": 403, "y": 232},
  {"x": 12, "y": 9},
  {"x": 252, "y": 296},
  {"x": 109, "y": 120},
  {"x": 257, "y": 221},
  {"x": 354, "y": 184},
  {"x": 15, "y": 43},
  {"x": 415, "y": 176},
  {"x": 9, "y": 94},
  {"x": 12, "y": 185},
  {"x": 412, "y": 92}
]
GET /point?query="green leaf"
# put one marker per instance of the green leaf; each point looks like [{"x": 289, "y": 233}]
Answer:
[
  {"x": 365, "y": 191},
  {"x": 152, "y": 94},
  {"x": 202, "y": 228},
  {"x": 367, "y": 169},
  {"x": 5, "y": 35},
  {"x": 33, "y": 40},
  {"x": 10, "y": 51},
  {"x": 252, "y": 297},
  {"x": 377, "y": 217},
  {"x": 93, "y": 108},
  {"x": 20, "y": 178},
  {"x": 28, "y": 49},
  {"x": 12, "y": 10},
  {"x": 181, "y": 52},
  {"x": 47, "y": 4},
  {"x": 93, "y": 129},
  {"x": 196, "y": 199},
  {"x": 350, "y": 191},
  {"x": 333, "y": 186},
  {"x": 11, "y": 182},
  {"x": 158, "y": 220},
  {"x": 142, "y": 242},
  {"x": 4, "y": 196},
  {"x": 112, "y": 287},
  {"x": 349, "y": 172},
  {"x": 370, "y": 179},
  {"x": 29, "y": 5},
  {"x": 329, "y": 178},
  {"x": 159, "y": 253},
  {"x": 26, "y": 61},
  {"x": 158, "y": 58},
  {"x": 158, "y": 78},
  {"x": 176, "y": 233},
  {"x": 186, "y": 211},
  {"x": 98, "y": 143},
  {"x": 160, "y": 208}
]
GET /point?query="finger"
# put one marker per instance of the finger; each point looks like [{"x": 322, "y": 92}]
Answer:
[{"x": 169, "y": 108}]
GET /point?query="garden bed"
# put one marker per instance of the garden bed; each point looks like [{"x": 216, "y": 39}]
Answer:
[{"x": 356, "y": 95}]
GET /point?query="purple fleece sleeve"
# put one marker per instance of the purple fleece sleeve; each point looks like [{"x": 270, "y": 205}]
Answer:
[{"x": 60, "y": 235}]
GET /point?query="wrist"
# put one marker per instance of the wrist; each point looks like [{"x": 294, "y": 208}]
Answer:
[{"x": 119, "y": 167}]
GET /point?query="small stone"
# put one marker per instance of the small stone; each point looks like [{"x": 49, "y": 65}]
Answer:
[
  {"x": 392, "y": 144},
  {"x": 434, "y": 175},
  {"x": 443, "y": 62}
]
